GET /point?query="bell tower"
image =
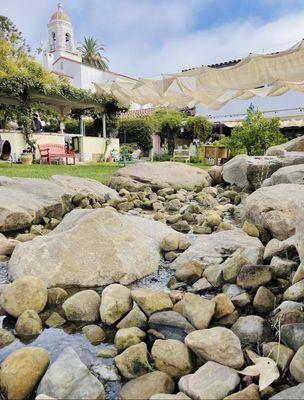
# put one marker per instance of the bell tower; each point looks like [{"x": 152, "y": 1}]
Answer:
[{"x": 61, "y": 35}]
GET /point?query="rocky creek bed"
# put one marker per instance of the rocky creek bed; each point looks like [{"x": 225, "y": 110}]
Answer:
[{"x": 171, "y": 284}]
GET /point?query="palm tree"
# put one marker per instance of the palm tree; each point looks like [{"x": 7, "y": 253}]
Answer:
[{"x": 90, "y": 51}]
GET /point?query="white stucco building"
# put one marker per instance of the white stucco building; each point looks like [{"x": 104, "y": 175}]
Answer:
[{"x": 62, "y": 57}]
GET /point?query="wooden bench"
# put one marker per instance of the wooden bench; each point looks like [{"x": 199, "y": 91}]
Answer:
[
  {"x": 181, "y": 155},
  {"x": 50, "y": 151}
]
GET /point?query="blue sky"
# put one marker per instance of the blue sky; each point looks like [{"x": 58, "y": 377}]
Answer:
[{"x": 148, "y": 37}]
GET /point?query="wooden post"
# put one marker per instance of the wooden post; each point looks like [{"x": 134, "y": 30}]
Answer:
[{"x": 216, "y": 155}]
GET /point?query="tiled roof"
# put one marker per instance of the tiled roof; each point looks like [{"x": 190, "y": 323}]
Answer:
[{"x": 143, "y": 112}]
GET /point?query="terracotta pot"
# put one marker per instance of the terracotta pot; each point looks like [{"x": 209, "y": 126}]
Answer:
[{"x": 26, "y": 158}]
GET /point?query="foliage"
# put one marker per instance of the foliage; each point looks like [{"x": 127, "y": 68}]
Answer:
[
  {"x": 198, "y": 127},
  {"x": 91, "y": 53},
  {"x": 162, "y": 157},
  {"x": 168, "y": 124},
  {"x": 136, "y": 131},
  {"x": 10, "y": 33},
  {"x": 256, "y": 134}
]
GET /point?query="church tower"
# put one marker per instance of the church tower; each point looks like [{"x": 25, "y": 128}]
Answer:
[{"x": 61, "y": 36}]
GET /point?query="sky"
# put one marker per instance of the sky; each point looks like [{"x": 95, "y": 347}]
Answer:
[{"x": 144, "y": 38}]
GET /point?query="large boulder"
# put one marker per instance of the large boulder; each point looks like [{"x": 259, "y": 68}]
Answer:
[
  {"x": 26, "y": 293},
  {"x": 291, "y": 174},
  {"x": 92, "y": 248},
  {"x": 165, "y": 174},
  {"x": 214, "y": 248},
  {"x": 296, "y": 144},
  {"x": 248, "y": 172},
  {"x": 22, "y": 370},
  {"x": 69, "y": 378},
  {"x": 75, "y": 185},
  {"x": 276, "y": 208}
]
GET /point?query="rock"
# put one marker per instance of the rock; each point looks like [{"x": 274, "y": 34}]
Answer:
[
  {"x": 56, "y": 296},
  {"x": 214, "y": 275},
  {"x": 55, "y": 320},
  {"x": 264, "y": 300},
  {"x": 22, "y": 370},
  {"x": 296, "y": 367},
  {"x": 250, "y": 229},
  {"x": 217, "y": 344},
  {"x": 241, "y": 300},
  {"x": 150, "y": 301},
  {"x": 163, "y": 396},
  {"x": 69, "y": 378},
  {"x": 108, "y": 352},
  {"x": 128, "y": 337},
  {"x": 190, "y": 272},
  {"x": 249, "y": 172},
  {"x": 216, "y": 174},
  {"x": 281, "y": 354},
  {"x": 181, "y": 226},
  {"x": 23, "y": 294},
  {"x": 28, "y": 323},
  {"x": 229, "y": 320},
  {"x": 171, "y": 256},
  {"x": 251, "y": 392},
  {"x": 173, "y": 205},
  {"x": 296, "y": 144},
  {"x": 82, "y": 306},
  {"x": 276, "y": 208},
  {"x": 223, "y": 306},
  {"x": 6, "y": 338},
  {"x": 106, "y": 372},
  {"x": 253, "y": 276},
  {"x": 170, "y": 242},
  {"x": 7, "y": 246},
  {"x": 147, "y": 385},
  {"x": 293, "y": 393},
  {"x": 184, "y": 243},
  {"x": 290, "y": 174},
  {"x": 282, "y": 268},
  {"x": 113, "y": 238},
  {"x": 206, "y": 248},
  {"x": 133, "y": 362},
  {"x": 202, "y": 229},
  {"x": 116, "y": 302},
  {"x": 293, "y": 335},
  {"x": 212, "y": 219},
  {"x": 211, "y": 381},
  {"x": 252, "y": 329},
  {"x": 295, "y": 292},
  {"x": 197, "y": 310},
  {"x": 84, "y": 186},
  {"x": 206, "y": 200},
  {"x": 134, "y": 318},
  {"x": 299, "y": 274},
  {"x": 201, "y": 285},
  {"x": 170, "y": 324},
  {"x": 94, "y": 333},
  {"x": 231, "y": 267},
  {"x": 173, "y": 357},
  {"x": 276, "y": 247},
  {"x": 25, "y": 237},
  {"x": 163, "y": 175}
]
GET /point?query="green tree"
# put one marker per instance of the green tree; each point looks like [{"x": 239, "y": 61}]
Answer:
[
  {"x": 91, "y": 53},
  {"x": 255, "y": 135},
  {"x": 198, "y": 127},
  {"x": 168, "y": 124},
  {"x": 9, "y": 32},
  {"x": 136, "y": 130}
]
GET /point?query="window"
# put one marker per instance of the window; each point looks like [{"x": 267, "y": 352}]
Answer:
[
  {"x": 61, "y": 65},
  {"x": 68, "y": 41},
  {"x": 54, "y": 37}
]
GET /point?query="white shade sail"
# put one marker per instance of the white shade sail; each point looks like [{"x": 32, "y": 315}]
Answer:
[{"x": 256, "y": 75}]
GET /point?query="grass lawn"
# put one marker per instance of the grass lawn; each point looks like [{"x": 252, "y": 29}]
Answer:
[{"x": 102, "y": 172}]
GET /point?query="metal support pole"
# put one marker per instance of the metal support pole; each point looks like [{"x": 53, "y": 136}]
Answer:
[{"x": 104, "y": 126}]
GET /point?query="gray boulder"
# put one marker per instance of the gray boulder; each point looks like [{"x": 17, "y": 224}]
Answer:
[
  {"x": 296, "y": 144},
  {"x": 276, "y": 208},
  {"x": 69, "y": 378},
  {"x": 165, "y": 174},
  {"x": 92, "y": 248},
  {"x": 211, "y": 249},
  {"x": 293, "y": 393},
  {"x": 291, "y": 174},
  {"x": 249, "y": 172}
]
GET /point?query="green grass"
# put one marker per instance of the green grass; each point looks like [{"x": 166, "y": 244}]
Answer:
[{"x": 102, "y": 172}]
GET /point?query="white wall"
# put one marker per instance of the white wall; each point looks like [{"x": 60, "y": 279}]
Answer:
[{"x": 92, "y": 148}]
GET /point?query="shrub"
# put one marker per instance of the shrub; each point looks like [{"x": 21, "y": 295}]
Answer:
[
  {"x": 256, "y": 134},
  {"x": 162, "y": 157},
  {"x": 198, "y": 127},
  {"x": 136, "y": 131}
]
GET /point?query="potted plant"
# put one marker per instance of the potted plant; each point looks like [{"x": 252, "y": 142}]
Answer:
[{"x": 26, "y": 157}]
